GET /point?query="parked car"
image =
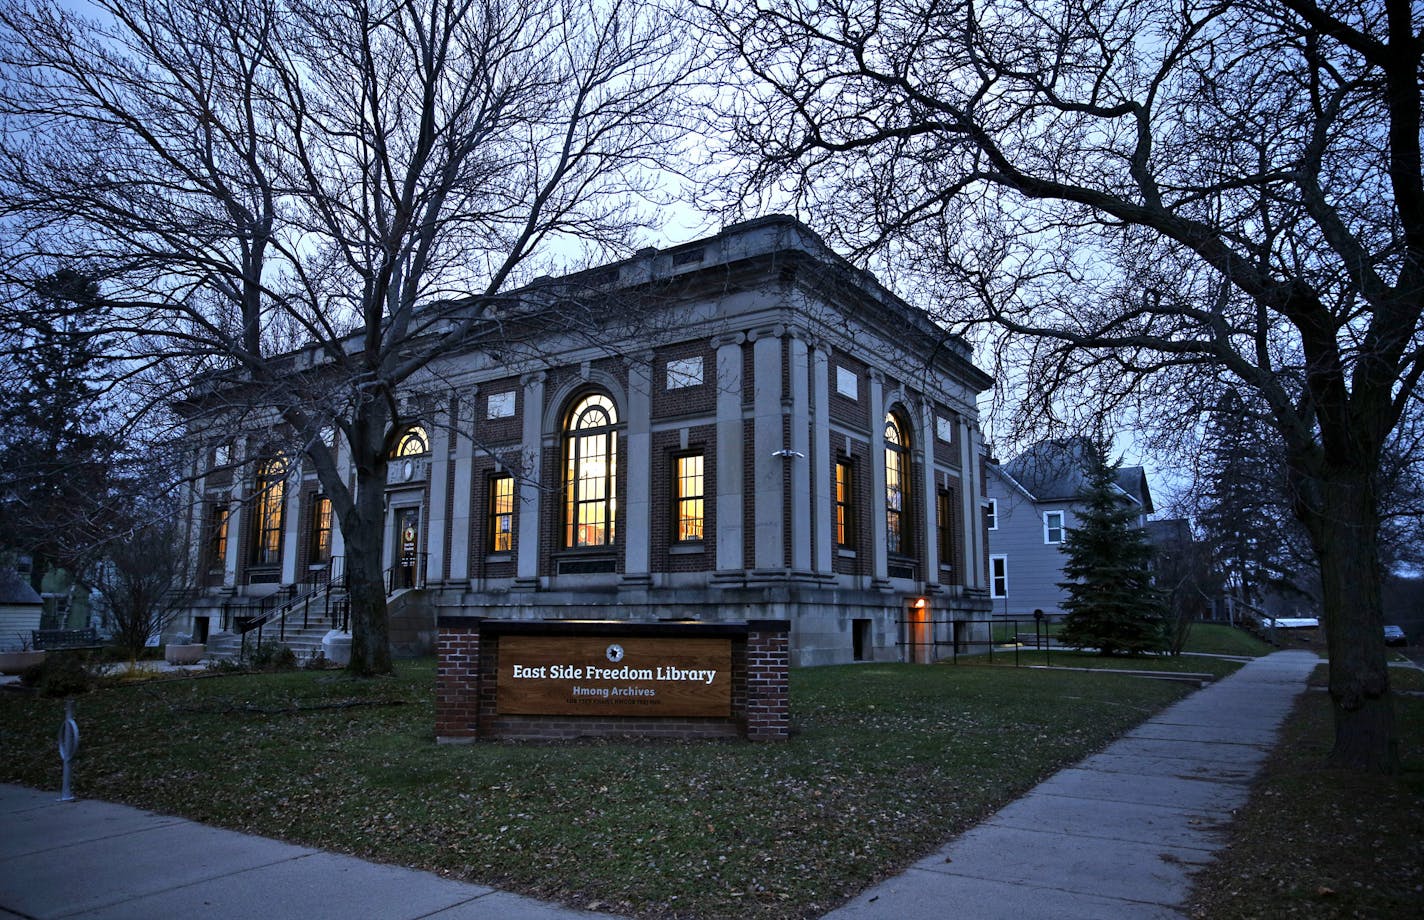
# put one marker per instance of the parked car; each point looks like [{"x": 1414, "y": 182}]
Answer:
[{"x": 1393, "y": 635}]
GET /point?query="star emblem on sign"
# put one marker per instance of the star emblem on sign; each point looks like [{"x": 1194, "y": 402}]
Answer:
[{"x": 614, "y": 653}]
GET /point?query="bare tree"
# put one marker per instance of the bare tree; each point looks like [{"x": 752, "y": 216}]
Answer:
[
  {"x": 142, "y": 579},
  {"x": 299, "y": 204},
  {"x": 1141, "y": 185}
]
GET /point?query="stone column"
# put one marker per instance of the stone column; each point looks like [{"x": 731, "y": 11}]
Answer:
[
  {"x": 465, "y": 420},
  {"x": 530, "y": 506},
  {"x": 730, "y": 439},
  {"x": 823, "y": 483},
  {"x": 291, "y": 521},
  {"x": 875, "y": 509},
  {"x": 438, "y": 492},
  {"x": 802, "y": 531},
  {"x": 768, "y": 515},
  {"x": 976, "y": 553},
  {"x": 235, "y": 514},
  {"x": 929, "y": 526},
  {"x": 638, "y": 457},
  {"x": 342, "y": 450}
]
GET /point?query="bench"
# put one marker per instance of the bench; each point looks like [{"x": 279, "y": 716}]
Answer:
[{"x": 87, "y": 637}]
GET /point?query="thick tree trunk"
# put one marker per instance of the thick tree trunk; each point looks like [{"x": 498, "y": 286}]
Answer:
[
  {"x": 364, "y": 532},
  {"x": 1345, "y": 528}
]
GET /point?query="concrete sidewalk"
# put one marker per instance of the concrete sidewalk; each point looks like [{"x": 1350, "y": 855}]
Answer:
[
  {"x": 1119, "y": 834},
  {"x": 93, "y": 860}
]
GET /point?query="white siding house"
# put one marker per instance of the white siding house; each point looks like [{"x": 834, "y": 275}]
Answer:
[{"x": 1033, "y": 501}]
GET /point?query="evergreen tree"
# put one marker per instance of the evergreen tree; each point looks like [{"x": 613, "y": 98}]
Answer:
[
  {"x": 1244, "y": 506},
  {"x": 55, "y": 457},
  {"x": 1112, "y": 604}
]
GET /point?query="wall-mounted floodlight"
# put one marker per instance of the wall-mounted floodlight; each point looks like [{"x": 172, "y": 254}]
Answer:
[{"x": 787, "y": 453}]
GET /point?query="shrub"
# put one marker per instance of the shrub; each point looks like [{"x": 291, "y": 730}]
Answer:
[
  {"x": 272, "y": 656},
  {"x": 62, "y": 673}
]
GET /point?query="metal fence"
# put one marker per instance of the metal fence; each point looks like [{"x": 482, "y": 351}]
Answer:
[{"x": 927, "y": 640}]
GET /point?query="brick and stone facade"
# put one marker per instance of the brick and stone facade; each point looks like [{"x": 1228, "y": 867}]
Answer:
[{"x": 768, "y": 358}]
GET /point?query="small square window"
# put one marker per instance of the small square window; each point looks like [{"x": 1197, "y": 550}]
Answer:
[
  {"x": 847, "y": 383},
  {"x": 944, "y": 429},
  {"x": 500, "y": 405},
  {"x": 684, "y": 372}
]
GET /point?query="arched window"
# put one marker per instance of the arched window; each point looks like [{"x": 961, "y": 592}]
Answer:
[
  {"x": 590, "y": 472},
  {"x": 897, "y": 487},
  {"x": 412, "y": 442},
  {"x": 270, "y": 495}
]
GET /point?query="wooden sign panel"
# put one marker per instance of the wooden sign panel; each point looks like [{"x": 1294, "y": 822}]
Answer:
[{"x": 613, "y": 676}]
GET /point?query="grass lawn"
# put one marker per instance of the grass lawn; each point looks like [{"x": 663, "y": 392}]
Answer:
[
  {"x": 1220, "y": 639},
  {"x": 1319, "y": 843},
  {"x": 887, "y": 762},
  {"x": 1206, "y": 638}
]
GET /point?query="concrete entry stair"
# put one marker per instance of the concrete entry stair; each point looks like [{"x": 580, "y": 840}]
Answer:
[{"x": 303, "y": 642}]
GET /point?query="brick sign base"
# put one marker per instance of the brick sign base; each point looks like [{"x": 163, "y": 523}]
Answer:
[{"x": 565, "y": 679}]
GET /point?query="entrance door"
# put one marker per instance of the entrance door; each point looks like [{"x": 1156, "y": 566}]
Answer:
[
  {"x": 917, "y": 618},
  {"x": 407, "y": 541}
]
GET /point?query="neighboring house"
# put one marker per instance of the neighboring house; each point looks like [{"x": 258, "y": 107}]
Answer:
[
  {"x": 20, "y": 610},
  {"x": 803, "y": 445},
  {"x": 1032, "y": 503}
]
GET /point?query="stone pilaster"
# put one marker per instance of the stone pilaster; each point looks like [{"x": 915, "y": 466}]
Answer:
[
  {"x": 730, "y": 438},
  {"x": 527, "y": 568}
]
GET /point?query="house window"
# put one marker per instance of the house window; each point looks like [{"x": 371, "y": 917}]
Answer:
[
  {"x": 845, "y": 504},
  {"x": 217, "y": 534},
  {"x": 998, "y": 576},
  {"x": 991, "y": 514},
  {"x": 590, "y": 472},
  {"x": 897, "y": 487},
  {"x": 413, "y": 442},
  {"x": 271, "y": 482},
  {"x": 501, "y": 513},
  {"x": 1053, "y": 527},
  {"x": 321, "y": 529},
  {"x": 688, "y": 487}
]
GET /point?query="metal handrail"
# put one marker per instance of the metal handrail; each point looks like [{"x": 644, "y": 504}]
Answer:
[
  {"x": 279, "y": 605},
  {"x": 417, "y": 579}
]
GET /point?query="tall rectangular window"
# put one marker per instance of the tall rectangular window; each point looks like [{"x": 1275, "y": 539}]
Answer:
[
  {"x": 998, "y": 576},
  {"x": 271, "y": 496},
  {"x": 217, "y": 535},
  {"x": 688, "y": 486},
  {"x": 946, "y": 518},
  {"x": 1053, "y": 527},
  {"x": 991, "y": 514},
  {"x": 321, "y": 529},
  {"x": 845, "y": 504},
  {"x": 501, "y": 513}
]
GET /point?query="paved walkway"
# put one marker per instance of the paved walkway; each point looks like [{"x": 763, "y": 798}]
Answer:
[
  {"x": 1116, "y": 836},
  {"x": 1119, "y": 834},
  {"x": 93, "y": 860}
]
